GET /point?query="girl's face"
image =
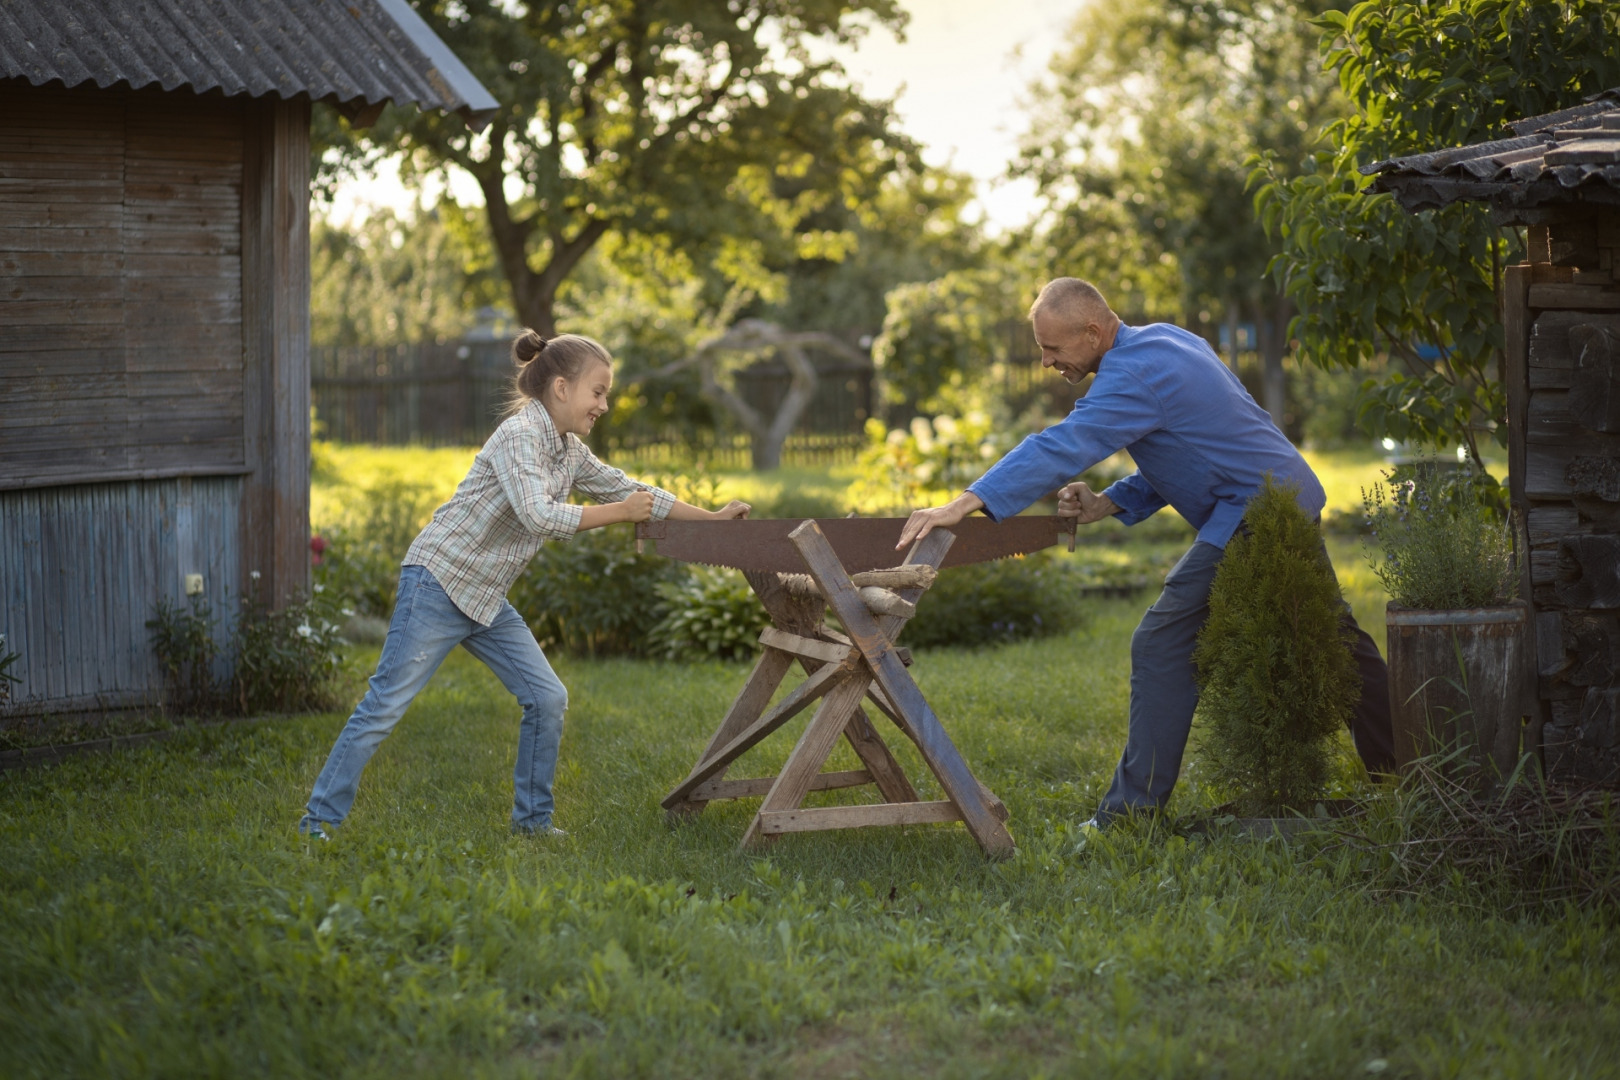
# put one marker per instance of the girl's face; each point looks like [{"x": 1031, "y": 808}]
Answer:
[{"x": 574, "y": 406}]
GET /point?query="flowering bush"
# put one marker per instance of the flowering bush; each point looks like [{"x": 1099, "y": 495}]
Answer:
[
  {"x": 1443, "y": 544},
  {"x": 286, "y": 660},
  {"x": 281, "y": 661},
  {"x": 929, "y": 462}
]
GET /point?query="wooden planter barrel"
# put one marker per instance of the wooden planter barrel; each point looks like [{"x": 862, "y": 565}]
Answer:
[{"x": 1456, "y": 678}]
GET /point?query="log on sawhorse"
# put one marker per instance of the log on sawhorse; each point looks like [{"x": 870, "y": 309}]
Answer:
[{"x": 842, "y": 673}]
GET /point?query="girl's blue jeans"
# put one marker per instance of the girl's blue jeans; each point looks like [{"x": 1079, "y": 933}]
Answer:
[{"x": 425, "y": 627}]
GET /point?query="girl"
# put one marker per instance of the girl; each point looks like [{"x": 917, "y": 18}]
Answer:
[{"x": 453, "y": 584}]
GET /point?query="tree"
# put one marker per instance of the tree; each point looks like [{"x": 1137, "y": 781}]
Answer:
[
  {"x": 1139, "y": 145},
  {"x": 1370, "y": 279},
  {"x": 391, "y": 278},
  {"x": 709, "y": 127}
]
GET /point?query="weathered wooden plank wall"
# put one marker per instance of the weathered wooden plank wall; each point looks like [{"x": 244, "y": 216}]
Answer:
[
  {"x": 1568, "y": 451},
  {"x": 121, "y": 303},
  {"x": 154, "y": 394},
  {"x": 83, "y": 567}
]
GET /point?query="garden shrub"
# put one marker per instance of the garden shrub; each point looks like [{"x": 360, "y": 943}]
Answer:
[
  {"x": 988, "y": 603},
  {"x": 594, "y": 595},
  {"x": 709, "y": 613},
  {"x": 358, "y": 564},
  {"x": 280, "y": 661},
  {"x": 285, "y": 660},
  {"x": 1275, "y": 673},
  {"x": 924, "y": 463},
  {"x": 1445, "y": 542}
]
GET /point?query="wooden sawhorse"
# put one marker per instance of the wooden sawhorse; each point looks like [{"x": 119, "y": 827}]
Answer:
[{"x": 843, "y": 672}]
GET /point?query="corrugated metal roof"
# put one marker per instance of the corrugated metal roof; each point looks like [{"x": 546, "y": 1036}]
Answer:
[
  {"x": 354, "y": 53},
  {"x": 1559, "y": 158}
]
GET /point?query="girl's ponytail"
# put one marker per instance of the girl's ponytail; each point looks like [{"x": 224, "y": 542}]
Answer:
[{"x": 540, "y": 361}]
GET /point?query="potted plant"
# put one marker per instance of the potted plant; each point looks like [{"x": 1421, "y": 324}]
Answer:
[{"x": 1443, "y": 550}]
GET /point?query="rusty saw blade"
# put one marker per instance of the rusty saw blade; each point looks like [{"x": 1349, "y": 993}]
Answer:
[{"x": 861, "y": 543}]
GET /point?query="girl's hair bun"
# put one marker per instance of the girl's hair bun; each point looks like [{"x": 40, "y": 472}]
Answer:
[{"x": 528, "y": 345}]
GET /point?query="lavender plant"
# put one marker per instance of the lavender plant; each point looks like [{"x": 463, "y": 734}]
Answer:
[{"x": 1437, "y": 540}]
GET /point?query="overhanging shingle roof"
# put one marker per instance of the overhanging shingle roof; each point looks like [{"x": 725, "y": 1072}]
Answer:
[
  {"x": 354, "y": 53},
  {"x": 1559, "y": 158}
]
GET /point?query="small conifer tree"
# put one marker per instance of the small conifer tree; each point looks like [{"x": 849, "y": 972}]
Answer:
[{"x": 1275, "y": 672}]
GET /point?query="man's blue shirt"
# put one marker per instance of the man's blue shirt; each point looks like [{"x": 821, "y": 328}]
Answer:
[{"x": 1200, "y": 442}]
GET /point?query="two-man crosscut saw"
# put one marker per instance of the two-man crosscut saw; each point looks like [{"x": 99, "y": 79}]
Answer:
[{"x": 861, "y": 543}]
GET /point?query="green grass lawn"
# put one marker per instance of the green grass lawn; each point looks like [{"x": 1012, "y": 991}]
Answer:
[{"x": 159, "y": 917}]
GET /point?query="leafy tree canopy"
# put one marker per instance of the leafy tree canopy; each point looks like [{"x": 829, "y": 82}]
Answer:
[
  {"x": 711, "y": 129},
  {"x": 1370, "y": 278},
  {"x": 1139, "y": 140},
  {"x": 415, "y": 276}
]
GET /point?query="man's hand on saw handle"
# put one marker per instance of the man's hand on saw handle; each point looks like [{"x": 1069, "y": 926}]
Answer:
[
  {"x": 1078, "y": 501},
  {"x": 923, "y": 522}
]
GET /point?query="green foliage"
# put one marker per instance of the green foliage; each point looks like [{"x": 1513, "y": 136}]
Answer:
[
  {"x": 995, "y": 602},
  {"x": 391, "y": 277},
  {"x": 1138, "y": 142},
  {"x": 359, "y": 564},
  {"x": 1368, "y": 277},
  {"x": 1444, "y": 540},
  {"x": 285, "y": 660},
  {"x": 594, "y": 595},
  {"x": 719, "y": 131},
  {"x": 708, "y": 614},
  {"x": 1276, "y": 678},
  {"x": 183, "y": 639},
  {"x": 927, "y": 462},
  {"x": 937, "y": 335},
  {"x": 798, "y": 504},
  {"x": 278, "y": 661}
]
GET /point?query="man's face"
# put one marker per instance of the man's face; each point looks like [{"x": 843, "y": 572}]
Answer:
[{"x": 1071, "y": 349}]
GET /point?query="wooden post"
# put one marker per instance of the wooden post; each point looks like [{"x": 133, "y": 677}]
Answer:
[{"x": 275, "y": 348}]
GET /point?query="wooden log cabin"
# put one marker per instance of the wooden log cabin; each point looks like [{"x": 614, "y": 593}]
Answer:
[
  {"x": 1557, "y": 175},
  {"x": 154, "y": 310}
]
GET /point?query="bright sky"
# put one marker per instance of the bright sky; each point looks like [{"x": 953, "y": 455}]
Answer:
[{"x": 960, "y": 76}]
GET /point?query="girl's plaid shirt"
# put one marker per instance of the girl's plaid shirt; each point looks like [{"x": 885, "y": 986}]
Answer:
[{"x": 513, "y": 500}]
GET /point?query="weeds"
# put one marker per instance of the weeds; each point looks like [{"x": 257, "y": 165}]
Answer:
[
  {"x": 183, "y": 639},
  {"x": 1531, "y": 848}
]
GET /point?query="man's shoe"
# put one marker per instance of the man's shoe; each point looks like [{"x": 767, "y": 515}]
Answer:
[
  {"x": 1085, "y": 832},
  {"x": 545, "y": 832},
  {"x": 315, "y": 830}
]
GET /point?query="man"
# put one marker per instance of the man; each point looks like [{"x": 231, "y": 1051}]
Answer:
[{"x": 1203, "y": 446}]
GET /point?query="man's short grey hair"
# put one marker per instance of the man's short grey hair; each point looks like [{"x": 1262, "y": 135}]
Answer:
[{"x": 1072, "y": 300}]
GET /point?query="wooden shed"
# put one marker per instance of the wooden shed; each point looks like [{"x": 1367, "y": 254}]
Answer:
[
  {"x": 1558, "y": 175},
  {"x": 154, "y": 309}
]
